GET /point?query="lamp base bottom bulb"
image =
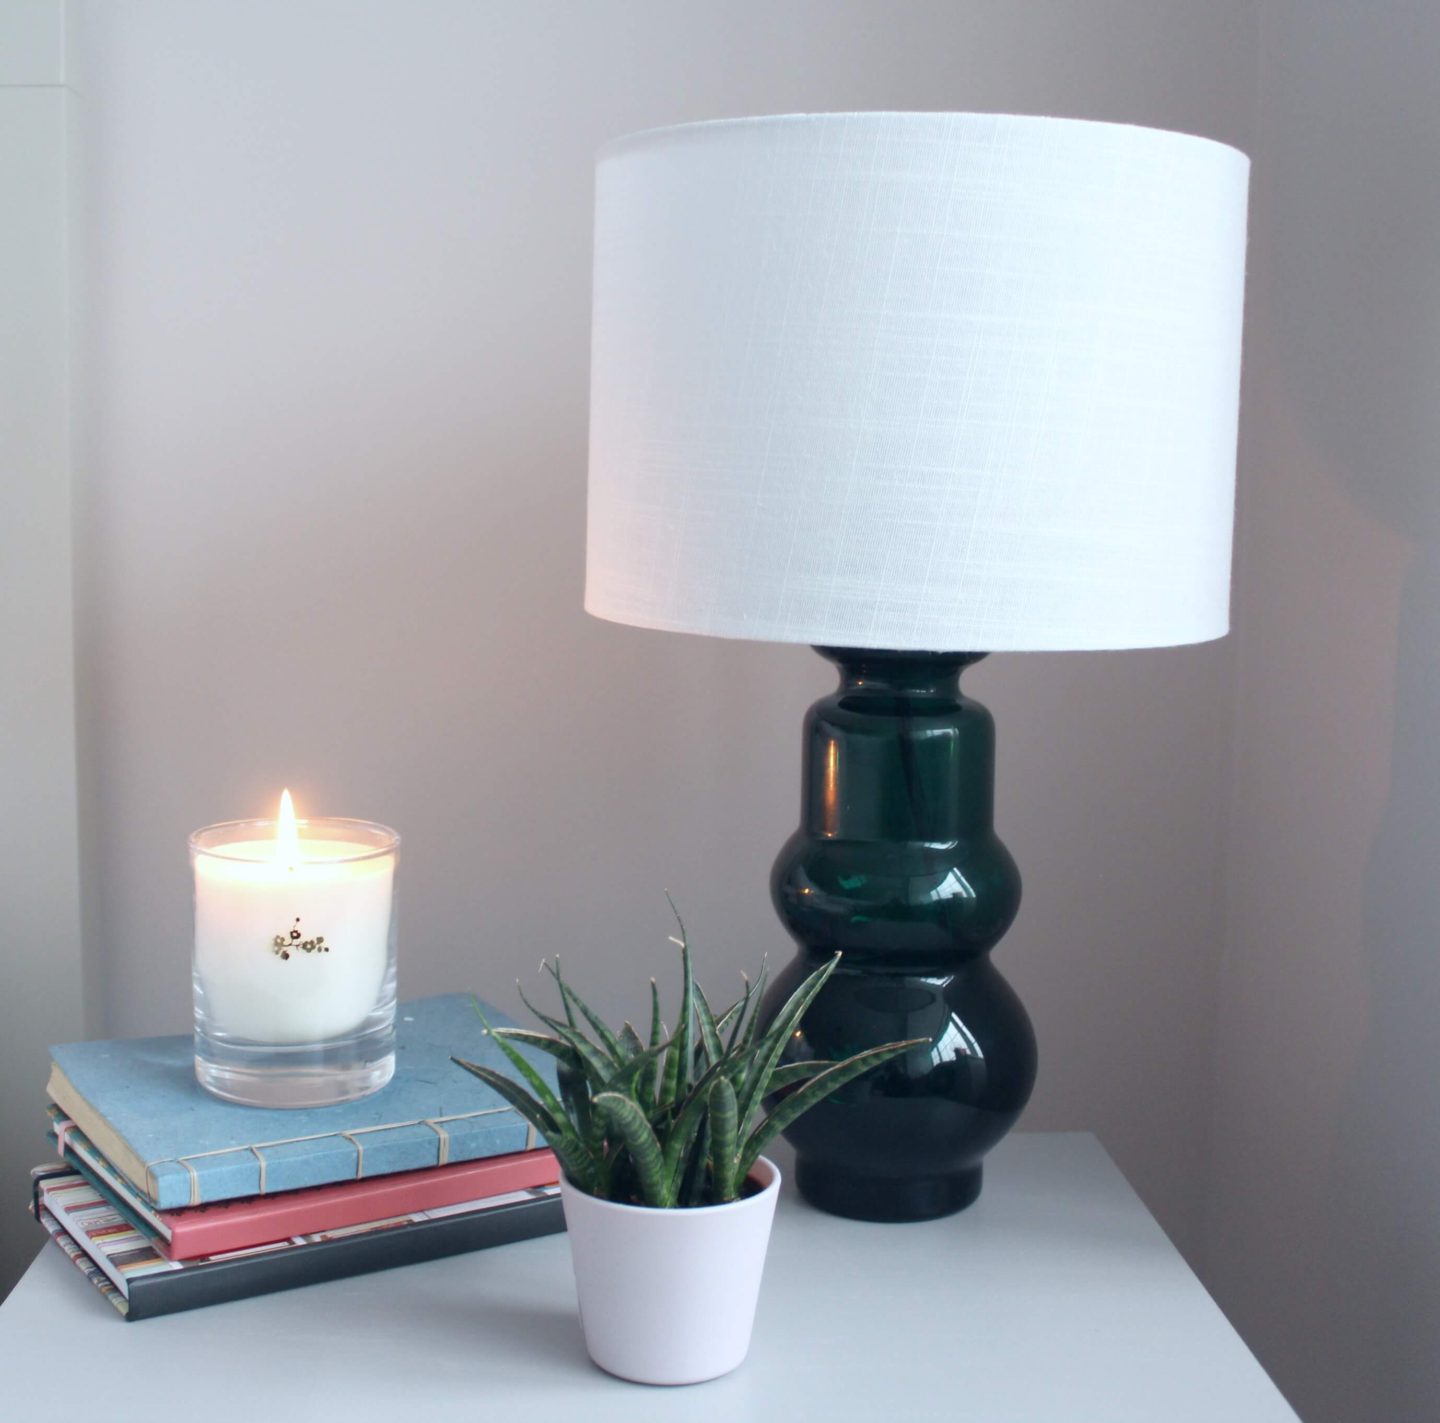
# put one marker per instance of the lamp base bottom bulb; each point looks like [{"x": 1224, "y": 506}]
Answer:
[{"x": 860, "y": 1197}]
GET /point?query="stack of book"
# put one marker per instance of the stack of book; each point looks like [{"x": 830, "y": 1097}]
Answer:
[{"x": 167, "y": 1198}]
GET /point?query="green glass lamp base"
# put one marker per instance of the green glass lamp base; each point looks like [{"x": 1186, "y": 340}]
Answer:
[
  {"x": 861, "y": 1197},
  {"x": 896, "y": 866}
]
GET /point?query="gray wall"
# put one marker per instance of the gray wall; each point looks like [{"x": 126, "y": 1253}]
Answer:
[
  {"x": 332, "y": 535},
  {"x": 40, "y": 994},
  {"x": 331, "y": 446},
  {"x": 1324, "y": 1236}
]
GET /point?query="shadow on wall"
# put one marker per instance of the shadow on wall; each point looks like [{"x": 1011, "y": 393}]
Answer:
[
  {"x": 1386, "y": 1171},
  {"x": 1355, "y": 149}
]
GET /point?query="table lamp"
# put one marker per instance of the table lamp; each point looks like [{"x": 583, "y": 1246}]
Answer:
[{"x": 913, "y": 388}]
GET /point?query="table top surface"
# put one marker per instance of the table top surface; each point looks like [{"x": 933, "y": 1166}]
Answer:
[{"x": 1054, "y": 1299}]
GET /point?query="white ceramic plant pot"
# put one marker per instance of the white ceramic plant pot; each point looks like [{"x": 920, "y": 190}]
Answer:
[{"x": 668, "y": 1296}]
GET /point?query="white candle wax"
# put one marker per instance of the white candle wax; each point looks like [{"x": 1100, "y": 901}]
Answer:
[{"x": 246, "y": 897}]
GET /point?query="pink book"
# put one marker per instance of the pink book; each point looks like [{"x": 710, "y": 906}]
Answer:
[{"x": 260, "y": 1220}]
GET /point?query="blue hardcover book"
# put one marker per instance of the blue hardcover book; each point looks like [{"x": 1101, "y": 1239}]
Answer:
[{"x": 137, "y": 1099}]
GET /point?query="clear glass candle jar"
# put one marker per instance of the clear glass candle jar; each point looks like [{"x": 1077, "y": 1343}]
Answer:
[{"x": 294, "y": 964}]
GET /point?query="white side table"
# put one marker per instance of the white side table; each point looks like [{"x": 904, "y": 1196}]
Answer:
[{"x": 1055, "y": 1299}]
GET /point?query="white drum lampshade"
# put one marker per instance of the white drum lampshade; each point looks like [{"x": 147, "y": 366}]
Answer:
[{"x": 916, "y": 381}]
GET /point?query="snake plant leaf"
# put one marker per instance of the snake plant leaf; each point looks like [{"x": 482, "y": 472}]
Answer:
[
  {"x": 694, "y": 1179},
  {"x": 627, "y": 1078},
  {"x": 629, "y": 1122},
  {"x": 772, "y": 1046},
  {"x": 539, "y": 1087},
  {"x": 816, "y": 1090},
  {"x": 575, "y": 1094},
  {"x": 630, "y": 1040},
  {"x": 574, "y": 1002},
  {"x": 679, "y": 1078},
  {"x": 681, "y": 1143},
  {"x": 554, "y": 1024},
  {"x": 657, "y": 1036},
  {"x": 724, "y": 1138},
  {"x": 789, "y": 1073},
  {"x": 554, "y": 971},
  {"x": 598, "y": 1071},
  {"x": 570, "y": 1074},
  {"x": 740, "y": 1009},
  {"x": 748, "y": 1023},
  {"x": 559, "y": 1136},
  {"x": 724, "y": 1023},
  {"x": 670, "y": 1080},
  {"x": 709, "y": 1030},
  {"x": 598, "y": 1067},
  {"x": 542, "y": 1042},
  {"x": 687, "y": 1121},
  {"x": 532, "y": 1110}
]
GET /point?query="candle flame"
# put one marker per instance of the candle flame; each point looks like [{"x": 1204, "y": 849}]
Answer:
[{"x": 287, "y": 833}]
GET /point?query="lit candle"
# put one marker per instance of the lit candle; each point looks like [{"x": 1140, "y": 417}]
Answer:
[{"x": 293, "y": 935}]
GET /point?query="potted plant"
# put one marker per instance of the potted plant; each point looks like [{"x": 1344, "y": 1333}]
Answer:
[{"x": 668, "y": 1199}]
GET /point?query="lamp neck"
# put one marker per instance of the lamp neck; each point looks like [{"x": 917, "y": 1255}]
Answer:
[
  {"x": 900, "y": 674},
  {"x": 896, "y": 752}
]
